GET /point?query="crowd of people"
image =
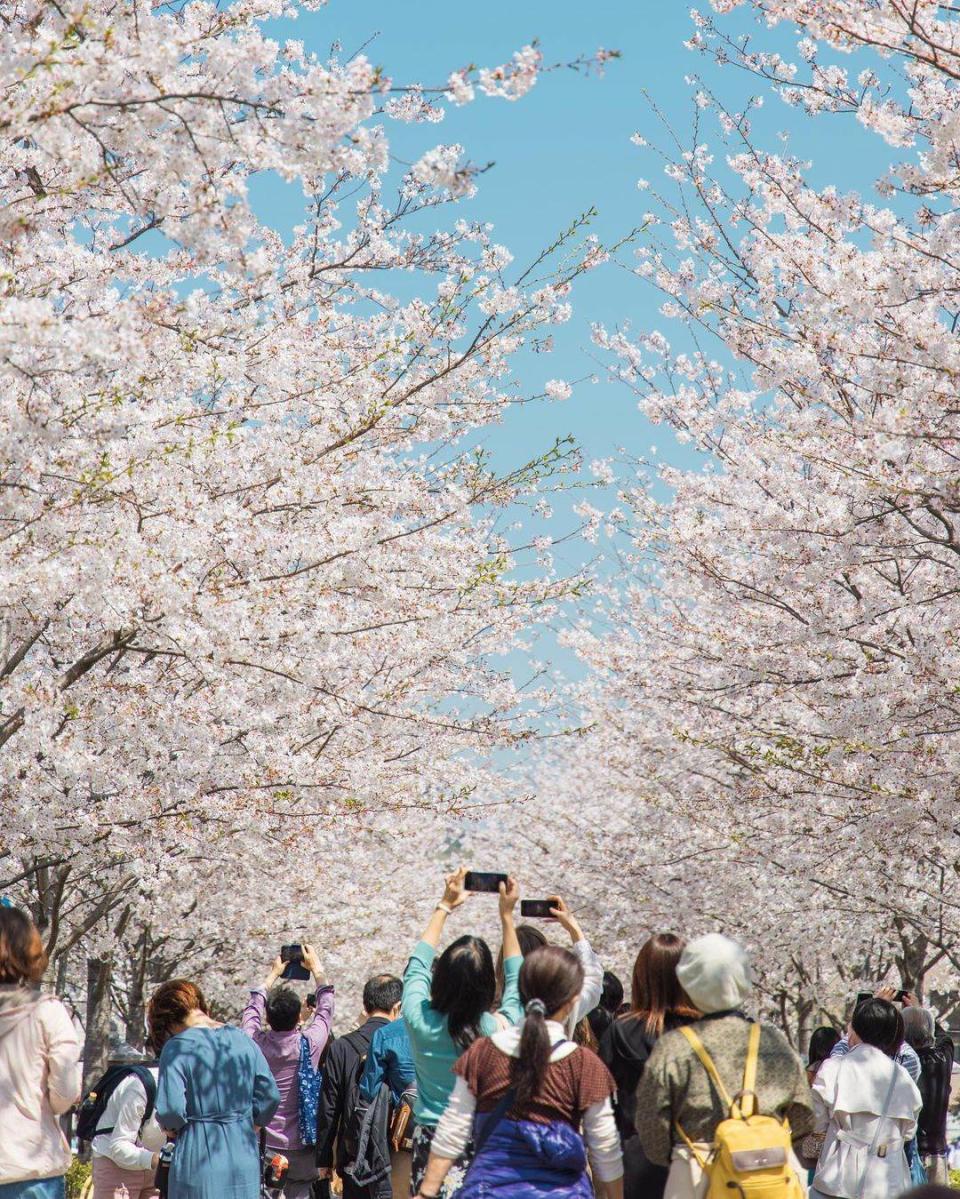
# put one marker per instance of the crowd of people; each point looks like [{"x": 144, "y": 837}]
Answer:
[{"x": 524, "y": 1075}]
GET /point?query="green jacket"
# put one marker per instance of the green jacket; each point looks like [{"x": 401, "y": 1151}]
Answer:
[
  {"x": 434, "y": 1050},
  {"x": 675, "y": 1088}
]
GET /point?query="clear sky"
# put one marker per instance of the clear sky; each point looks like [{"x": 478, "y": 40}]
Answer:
[{"x": 564, "y": 148}]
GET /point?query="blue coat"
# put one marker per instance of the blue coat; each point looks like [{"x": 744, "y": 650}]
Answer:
[
  {"x": 215, "y": 1085},
  {"x": 390, "y": 1061}
]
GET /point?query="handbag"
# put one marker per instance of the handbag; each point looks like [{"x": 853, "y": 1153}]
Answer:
[
  {"x": 401, "y": 1125},
  {"x": 918, "y": 1172},
  {"x": 309, "y": 1082}
]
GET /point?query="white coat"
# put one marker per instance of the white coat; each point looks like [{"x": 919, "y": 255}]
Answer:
[
  {"x": 867, "y": 1105},
  {"x": 39, "y": 1081}
]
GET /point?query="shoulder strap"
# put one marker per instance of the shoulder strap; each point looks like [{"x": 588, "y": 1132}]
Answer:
[
  {"x": 748, "y": 1096},
  {"x": 503, "y": 1106},
  {"x": 707, "y": 1062}
]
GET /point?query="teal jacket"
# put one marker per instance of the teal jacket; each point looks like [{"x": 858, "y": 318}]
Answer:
[{"x": 434, "y": 1050}]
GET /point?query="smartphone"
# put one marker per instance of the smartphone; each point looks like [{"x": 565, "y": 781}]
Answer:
[
  {"x": 476, "y": 880},
  {"x": 539, "y": 909},
  {"x": 862, "y": 996},
  {"x": 295, "y": 969}
]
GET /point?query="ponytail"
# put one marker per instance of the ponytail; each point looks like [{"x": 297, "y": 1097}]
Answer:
[
  {"x": 550, "y": 978},
  {"x": 534, "y": 1054}
]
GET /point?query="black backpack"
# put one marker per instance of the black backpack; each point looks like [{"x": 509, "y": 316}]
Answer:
[
  {"x": 354, "y": 1108},
  {"x": 370, "y": 1164},
  {"x": 94, "y": 1104}
]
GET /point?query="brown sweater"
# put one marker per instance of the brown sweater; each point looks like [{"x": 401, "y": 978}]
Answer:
[{"x": 676, "y": 1088}]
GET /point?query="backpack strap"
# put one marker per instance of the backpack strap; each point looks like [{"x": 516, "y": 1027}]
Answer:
[
  {"x": 749, "y": 1093},
  {"x": 704, "y": 1164},
  {"x": 706, "y": 1061}
]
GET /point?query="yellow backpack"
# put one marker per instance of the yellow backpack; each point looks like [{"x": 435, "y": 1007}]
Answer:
[{"x": 750, "y": 1155}]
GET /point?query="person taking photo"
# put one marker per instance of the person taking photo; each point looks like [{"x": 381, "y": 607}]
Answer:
[
  {"x": 522, "y": 1096},
  {"x": 272, "y": 1020},
  {"x": 447, "y": 1005}
]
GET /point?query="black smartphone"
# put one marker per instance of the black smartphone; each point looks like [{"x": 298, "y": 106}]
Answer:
[
  {"x": 538, "y": 909},
  {"x": 295, "y": 969},
  {"x": 862, "y": 996},
  {"x": 476, "y": 880}
]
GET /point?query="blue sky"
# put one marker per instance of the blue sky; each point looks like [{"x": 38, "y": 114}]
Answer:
[{"x": 560, "y": 150}]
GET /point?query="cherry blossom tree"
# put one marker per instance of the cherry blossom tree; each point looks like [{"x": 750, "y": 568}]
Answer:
[
  {"x": 257, "y": 579},
  {"x": 784, "y": 667}
]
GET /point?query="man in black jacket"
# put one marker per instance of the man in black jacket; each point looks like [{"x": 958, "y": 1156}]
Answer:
[{"x": 339, "y": 1095}]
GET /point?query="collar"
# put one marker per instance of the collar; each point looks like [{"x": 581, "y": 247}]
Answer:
[
  {"x": 730, "y": 1011},
  {"x": 507, "y": 1040}
]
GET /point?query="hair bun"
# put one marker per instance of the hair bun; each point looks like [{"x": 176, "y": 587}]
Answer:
[{"x": 536, "y": 1007}]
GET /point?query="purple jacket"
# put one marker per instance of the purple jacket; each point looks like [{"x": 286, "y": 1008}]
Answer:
[{"x": 282, "y": 1051}]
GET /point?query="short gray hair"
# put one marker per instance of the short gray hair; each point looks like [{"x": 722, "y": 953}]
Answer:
[{"x": 918, "y": 1026}]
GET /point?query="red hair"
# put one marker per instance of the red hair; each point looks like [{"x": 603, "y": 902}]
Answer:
[
  {"x": 22, "y": 956},
  {"x": 169, "y": 1007}
]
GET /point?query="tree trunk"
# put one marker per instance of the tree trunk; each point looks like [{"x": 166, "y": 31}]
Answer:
[
  {"x": 63, "y": 965},
  {"x": 805, "y": 1010},
  {"x": 912, "y": 960},
  {"x": 137, "y": 997},
  {"x": 96, "y": 1045}
]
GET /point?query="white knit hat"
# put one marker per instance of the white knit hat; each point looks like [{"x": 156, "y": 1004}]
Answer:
[{"x": 715, "y": 972}]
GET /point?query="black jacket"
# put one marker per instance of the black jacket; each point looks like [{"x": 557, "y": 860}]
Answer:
[
  {"x": 624, "y": 1048},
  {"x": 341, "y": 1073},
  {"x": 936, "y": 1064}
]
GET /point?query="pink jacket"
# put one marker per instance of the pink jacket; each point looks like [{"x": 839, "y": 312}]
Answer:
[{"x": 39, "y": 1080}]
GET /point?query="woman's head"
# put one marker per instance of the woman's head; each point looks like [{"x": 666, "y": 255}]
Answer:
[
  {"x": 171, "y": 1004},
  {"x": 656, "y": 993},
  {"x": 822, "y": 1041},
  {"x": 530, "y": 938},
  {"x": 715, "y": 972},
  {"x": 22, "y": 956},
  {"x": 878, "y": 1022},
  {"x": 551, "y": 980},
  {"x": 464, "y": 987}
]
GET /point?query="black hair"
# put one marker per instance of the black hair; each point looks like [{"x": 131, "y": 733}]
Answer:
[
  {"x": 612, "y": 994},
  {"x": 878, "y": 1022},
  {"x": 822, "y": 1041},
  {"x": 283, "y": 1009},
  {"x": 530, "y": 938},
  {"x": 464, "y": 987},
  {"x": 382, "y": 993}
]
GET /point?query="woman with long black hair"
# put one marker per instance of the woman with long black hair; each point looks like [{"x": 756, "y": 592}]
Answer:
[
  {"x": 447, "y": 1005},
  {"x": 523, "y": 1095}
]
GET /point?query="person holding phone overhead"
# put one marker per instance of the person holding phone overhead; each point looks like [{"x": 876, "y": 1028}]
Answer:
[
  {"x": 524, "y": 1095},
  {"x": 447, "y": 1003},
  {"x": 272, "y": 1020},
  {"x": 905, "y": 1056},
  {"x": 530, "y": 938}
]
